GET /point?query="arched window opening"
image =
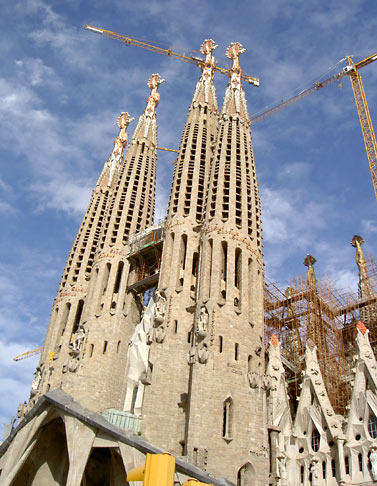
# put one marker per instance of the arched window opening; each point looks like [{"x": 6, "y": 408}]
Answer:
[
  {"x": 220, "y": 344},
  {"x": 104, "y": 347},
  {"x": 236, "y": 351},
  {"x": 91, "y": 350},
  {"x": 237, "y": 268},
  {"x": 250, "y": 363},
  {"x": 224, "y": 270},
  {"x": 118, "y": 278},
  {"x": 106, "y": 276},
  {"x": 347, "y": 464},
  {"x": 67, "y": 309},
  {"x": 228, "y": 418},
  {"x": 324, "y": 469},
  {"x": 118, "y": 346},
  {"x": 372, "y": 425},
  {"x": 302, "y": 471},
  {"x": 316, "y": 438},
  {"x": 195, "y": 262},
  {"x": 360, "y": 459},
  {"x": 245, "y": 475},
  {"x": 78, "y": 314},
  {"x": 333, "y": 468}
]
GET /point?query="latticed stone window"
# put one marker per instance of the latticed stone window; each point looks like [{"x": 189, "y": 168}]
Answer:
[
  {"x": 316, "y": 438},
  {"x": 372, "y": 425}
]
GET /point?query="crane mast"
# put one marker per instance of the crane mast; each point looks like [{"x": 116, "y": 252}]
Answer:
[{"x": 365, "y": 122}]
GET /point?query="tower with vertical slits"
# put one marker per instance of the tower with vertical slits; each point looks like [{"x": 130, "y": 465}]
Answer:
[
  {"x": 226, "y": 425},
  {"x": 167, "y": 395},
  {"x": 205, "y": 399},
  {"x": 93, "y": 315}
]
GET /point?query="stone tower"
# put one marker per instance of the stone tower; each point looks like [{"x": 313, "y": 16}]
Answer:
[
  {"x": 92, "y": 318},
  {"x": 227, "y": 414},
  {"x": 206, "y": 399},
  {"x": 167, "y": 396}
]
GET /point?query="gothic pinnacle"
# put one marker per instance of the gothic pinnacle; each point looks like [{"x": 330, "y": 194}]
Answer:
[
  {"x": 234, "y": 99},
  {"x": 205, "y": 90},
  {"x": 116, "y": 156}
]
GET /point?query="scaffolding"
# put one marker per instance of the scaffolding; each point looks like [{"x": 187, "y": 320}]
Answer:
[
  {"x": 314, "y": 310},
  {"x": 145, "y": 257}
]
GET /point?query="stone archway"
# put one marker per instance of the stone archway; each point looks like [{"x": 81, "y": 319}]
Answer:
[
  {"x": 246, "y": 475},
  {"x": 47, "y": 463},
  {"x": 105, "y": 468}
]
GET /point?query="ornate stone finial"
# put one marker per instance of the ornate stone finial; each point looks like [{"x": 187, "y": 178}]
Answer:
[
  {"x": 233, "y": 52},
  {"x": 152, "y": 101},
  {"x": 204, "y": 86},
  {"x": 360, "y": 326},
  {"x": 207, "y": 47},
  {"x": 153, "y": 83},
  {"x": 208, "y": 66},
  {"x": 356, "y": 242},
  {"x": 274, "y": 341},
  {"x": 309, "y": 262},
  {"x": 234, "y": 90}
]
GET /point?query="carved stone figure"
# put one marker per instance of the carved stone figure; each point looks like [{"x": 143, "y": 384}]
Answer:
[
  {"x": 314, "y": 469},
  {"x": 138, "y": 355},
  {"x": 203, "y": 322},
  {"x": 36, "y": 381},
  {"x": 203, "y": 353},
  {"x": 159, "y": 309},
  {"x": 373, "y": 462},
  {"x": 78, "y": 338}
]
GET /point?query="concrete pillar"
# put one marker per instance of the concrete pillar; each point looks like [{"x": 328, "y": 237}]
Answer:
[{"x": 80, "y": 438}]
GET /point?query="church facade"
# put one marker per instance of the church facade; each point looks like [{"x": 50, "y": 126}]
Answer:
[{"x": 160, "y": 328}]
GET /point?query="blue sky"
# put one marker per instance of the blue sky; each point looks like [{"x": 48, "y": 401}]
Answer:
[{"x": 62, "y": 89}]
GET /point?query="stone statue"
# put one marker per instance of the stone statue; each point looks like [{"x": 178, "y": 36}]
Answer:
[
  {"x": 203, "y": 322},
  {"x": 314, "y": 469},
  {"x": 159, "y": 309},
  {"x": 36, "y": 381},
  {"x": 138, "y": 355},
  {"x": 203, "y": 353},
  {"x": 373, "y": 462},
  {"x": 79, "y": 337}
]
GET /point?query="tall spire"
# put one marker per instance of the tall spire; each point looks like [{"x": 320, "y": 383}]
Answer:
[
  {"x": 115, "y": 160},
  {"x": 63, "y": 331},
  {"x": 147, "y": 127},
  {"x": 180, "y": 261},
  {"x": 205, "y": 91}
]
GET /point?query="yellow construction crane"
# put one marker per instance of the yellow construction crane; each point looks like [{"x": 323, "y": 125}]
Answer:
[
  {"x": 166, "y": 52},
  {"x": 351, "y": 70},
  {"x": 28, "y": 354}
]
